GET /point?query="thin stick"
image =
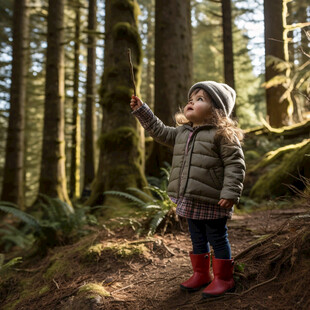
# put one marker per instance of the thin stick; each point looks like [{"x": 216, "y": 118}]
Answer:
[{"x": 131, "y": 70}]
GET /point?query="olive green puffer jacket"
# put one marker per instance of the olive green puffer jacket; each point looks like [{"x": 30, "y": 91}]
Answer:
[{"x": 203, "y": 167}]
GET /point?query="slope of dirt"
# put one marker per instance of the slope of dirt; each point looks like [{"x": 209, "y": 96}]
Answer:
[{"x": 272, "y": 270}]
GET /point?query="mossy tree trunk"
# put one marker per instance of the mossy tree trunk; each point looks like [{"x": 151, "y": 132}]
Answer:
[
  {"x": 53, "y": 174},
  {"x": 173, "y": 68},
  {"x": 13, "y": 183},
  {"x": 274, "y": 46},
  {"x": 293, "y": 165},
  {"x": 76, "y": 132},
  {"x": 90, "y": 109},
  {"x": 121, "y": 153}
]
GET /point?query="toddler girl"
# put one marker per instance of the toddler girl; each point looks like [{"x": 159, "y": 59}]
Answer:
[{"x": 206, "y": 178}]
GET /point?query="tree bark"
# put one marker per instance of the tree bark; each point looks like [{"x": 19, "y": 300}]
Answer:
[
  {"x": 150, "y": 56},
  {"x": 173, "y": 68},
  {"x": 53, "y": 174},
  {"x": 90, "y": 110},
  {"x": 76, "y": 133},
  {"x": 228, "y": 43},
  {"x": 122, "y": 139},
  {"x": 277, "y": 111},
  {"x": 13, "y": 183}
]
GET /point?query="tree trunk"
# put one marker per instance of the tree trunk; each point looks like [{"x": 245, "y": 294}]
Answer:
[
  {"x": 150, "y": 56},
  {"x": 53, "y": 175},
  {"x": 90, "y": 110},
  {"x": 228, "y": 44},
  {"x": 121, "y": 141},
  {"x": 173, "y": 68},
  {"x": 13, "y": 183},
  {"x": 76, "y": 133},
  {"x": 274, "y": 46}
]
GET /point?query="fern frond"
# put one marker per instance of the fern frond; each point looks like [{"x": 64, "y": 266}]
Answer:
[
  {"x": 166, "y": 172},
  {"x": 127, "y": 196},
  {"x": 11, "y": 263},
  {"x": 157, "y": 219},
  {"x": 27, "y": 218},
  {"x": 62, "y": 207},
  {"x": 141, "y": 193},
  {"x": 153, "y": 207},
  {"x": 157, "y": 191}
]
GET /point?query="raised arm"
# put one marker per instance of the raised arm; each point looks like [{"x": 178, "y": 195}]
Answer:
[{"x": 152, "y": 124}]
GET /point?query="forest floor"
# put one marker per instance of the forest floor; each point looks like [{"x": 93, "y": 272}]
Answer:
[{"x": 272, "y": 267}]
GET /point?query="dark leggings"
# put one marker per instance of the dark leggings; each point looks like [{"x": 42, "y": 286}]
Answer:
[{"x": 214, "y": 232}]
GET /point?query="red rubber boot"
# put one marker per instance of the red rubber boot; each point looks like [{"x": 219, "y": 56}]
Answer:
[
  {"x": 201, "y": 276},
  {"x": 223, "y": 278}
]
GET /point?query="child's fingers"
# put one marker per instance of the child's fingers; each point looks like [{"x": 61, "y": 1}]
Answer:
[
  {"x": 135, "y": 102},
  {"x": 226, "y": 203}
]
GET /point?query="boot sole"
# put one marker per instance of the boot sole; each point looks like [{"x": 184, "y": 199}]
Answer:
[
  {"x": 205, "y": 295},
  {"x": 190, "y": 289}
]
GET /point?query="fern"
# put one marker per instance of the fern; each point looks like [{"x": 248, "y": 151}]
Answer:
[
  {"x": 156, "y": 220},
  {"x": 141, "y": 193},
  {"x": 157, "y": 206},
  {"x": 59, "y": 223},
  {"x": 8, "y": 265},
  {"x": 25, "y": 217},
  {"x": 157, "y": 191},
  {"x": 134, "y": 199}
]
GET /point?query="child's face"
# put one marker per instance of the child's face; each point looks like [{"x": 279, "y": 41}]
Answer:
[{"x": 199, "y": 108}]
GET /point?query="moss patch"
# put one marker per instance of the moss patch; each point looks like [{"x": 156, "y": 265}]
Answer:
[
  {"x": 124, "y": 30},
  {"x": 58, "y": 267},
  {"x": 122, "y": 250},
  {"x": 277, "y": 154},
  {"x": 120, "y": 138},
  {"x": 119, "y": 93},
  {"x": 44, "y": 289},
  {"x": 275, "y": 181},
  {"x": 93, "y": 289}
]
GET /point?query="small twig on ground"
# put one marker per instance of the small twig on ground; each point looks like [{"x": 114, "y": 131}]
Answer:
[
  {"x": 57, "y": 285},
  {"x": 253, "y": 287},
  {"x": 168, "y": 249},
  {"x": 123, "y": 288}
]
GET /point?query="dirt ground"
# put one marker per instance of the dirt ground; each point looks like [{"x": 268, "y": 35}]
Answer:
[{"x": 151, "y": 280}]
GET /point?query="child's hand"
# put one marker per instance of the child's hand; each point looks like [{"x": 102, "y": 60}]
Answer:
[
  {"x": 226, "y": 203},
  {"x": 135, "y": 102}
]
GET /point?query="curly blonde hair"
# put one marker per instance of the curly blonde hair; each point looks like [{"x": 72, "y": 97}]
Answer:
[{"x": 226, "y": 127}]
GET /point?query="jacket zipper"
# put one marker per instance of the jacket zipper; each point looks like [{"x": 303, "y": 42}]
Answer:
[
  {"x": 189, "y": 161},
  {"x": 183, "y": 163},
  {"x": 191, "y": 134}
]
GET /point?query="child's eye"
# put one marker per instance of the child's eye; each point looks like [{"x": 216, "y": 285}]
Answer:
[{"x": 200, "y": 98}]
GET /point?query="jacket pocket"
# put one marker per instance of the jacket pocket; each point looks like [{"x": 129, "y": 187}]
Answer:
[{"x": 217, "y": 183}]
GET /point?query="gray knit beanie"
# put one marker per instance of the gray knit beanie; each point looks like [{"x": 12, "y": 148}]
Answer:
[{"x": 223, "y": 96}]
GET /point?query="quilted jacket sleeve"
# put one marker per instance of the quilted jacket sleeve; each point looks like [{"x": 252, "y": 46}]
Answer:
[
  {"x": 234, "y": 170},
  {"x": 154, "y": 126}
]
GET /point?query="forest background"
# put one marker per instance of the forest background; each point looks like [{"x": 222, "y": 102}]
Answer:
[
  {"x": 72, "y": 157},
  {"x": 212, "y": 46}
]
